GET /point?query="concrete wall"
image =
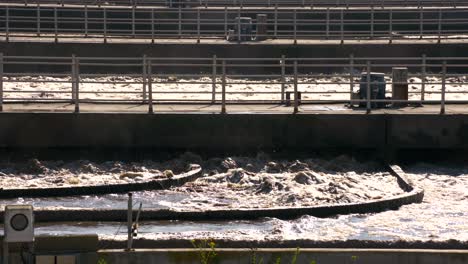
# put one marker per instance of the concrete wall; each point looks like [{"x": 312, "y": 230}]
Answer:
[
  {"x": 320, "y": 256},
  {"x": 233, "y": 132}
]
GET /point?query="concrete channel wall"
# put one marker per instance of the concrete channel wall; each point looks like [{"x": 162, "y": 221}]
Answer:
[
  {"x": 319, "y": 256},
  {"x": 234, "y": 132}
]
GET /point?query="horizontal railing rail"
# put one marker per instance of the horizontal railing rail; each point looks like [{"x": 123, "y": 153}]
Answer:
[
  {"x": 293, "y": 24},
  {"x": 220, "y": 81},
  {"x": 254, "y": 3}
]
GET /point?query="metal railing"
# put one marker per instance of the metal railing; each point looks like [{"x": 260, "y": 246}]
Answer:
[
  {"x": 253, "y": 3},
  {"x": 153, "y": 81},
  {"x": 296, "y": 24}
]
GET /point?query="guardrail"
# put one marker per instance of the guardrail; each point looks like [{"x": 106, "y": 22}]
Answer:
[
  {"x": 296, "y": 24},
  {"x": 268, "y": 3},
  {"x": 222, "y": 81}
]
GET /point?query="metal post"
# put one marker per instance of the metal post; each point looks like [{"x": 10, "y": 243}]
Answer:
[
  {"x": 295, "y": 26},
  {"x": 55, "y": 24},
  {"x": 283, "y": 77},
  {"x": 239, "y": 26},
  {"x": 105, "y": 24},
  {"x": 152, "y": 25},
  {"x": 133, "y": 22},
  {"x": 372, "y": 23},
  {"x": 368, "y": 95},
  {"x": 421, "y": 26},
  {"x": 296, "y": 99},
  {"x": 439, "y": 26},
  {"x": 198, "y": 25},
  {"x": 328, "y": 23},
  {"x": 351, "y": 78},
  {"x": 129, "y": 222},
  {"x": 223, "y": 92},
  {"x": 7, "y": 24},
  {"x": 390, "y": 26},
  {"x": 342, "y": 26},
  {"x": 180, "y": 21},
  {"x": 275, "y": 28},
  {"x": 150, "y": 86},
  {"x": 86, "y": 19},
  {"x": 145, "y": 77},
  {"x": 225, "y": 21},
  {"x": 38, "y": 20},
  {"x": 73, "y": 83},
  {"x": 76, "y": 78},
  {"x": 6, "y": 257},
  {"x": 1, "y": 82},
  {"x": 423, "y": 77},
  {"x": 444, "y": 73},
  {"x": 213, "y": 79}
]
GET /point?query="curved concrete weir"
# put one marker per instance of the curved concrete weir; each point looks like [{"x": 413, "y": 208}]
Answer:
[{"x": 412, "y": 194}]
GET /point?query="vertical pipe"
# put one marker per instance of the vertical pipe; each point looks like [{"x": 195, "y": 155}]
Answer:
[
  {"x": 129, "y": 222},
  {"x": 225, "y": 21},
  {"x": 150, "y": 86},
  {"x": 213, "y": 79},
  {"x": 444, "y": 73},
  {"x": 55, "y": 24},
  {"x": 198, "y": 25},
  {"x": 439, "y": 26},
  {"x": 73, "y": 83},
  {"x": 133, "y": 22},
  {"x": 1, "y": 82},
  {"x": 283, "y": 78},
  {"x": 144, "y": 78},
  {"x": 341, "y": 26},
  {"x": 328, "y": 23},
  {"x": 7, "y": 24},
  {"x": 86, "y": 19},
  {"x": 223, "y": 92},
  {"x": 296, "y": 99},
  {"x": 372, "y": 23},
  {"x": 38, "y": 20},
  {"x": 351, "y": 78},
  {"x": 152, "y": 25},
  {"x": 368, "y": 94},
  {"x": 295, "y": 26},
  {"x": 275, "y": 28},
  {"x": 423, "y": 77},
  {"x": 239, "y": 26},
  {"x": 105, "y": 24}
]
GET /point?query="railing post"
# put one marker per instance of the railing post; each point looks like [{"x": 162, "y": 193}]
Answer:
[
  {"x": 283, "y": 77},
  {"x": 1, "y": 82},
  {"x": 7, "y": 24},
  {"x": 444, "y": 73},
  {"x": 296, "y": 99},
  {"x": 368, "y": 88},
  {"x": 239, "y": 26},
  {"x": 328, "y": 23},
  {"x": 86, "y": 19},
  {"x": 198, "y": 25},
  {"x": 133, "y": 22},
  {"x": 341, "y": 26},
  {"x": 223, "y": 86},
  {"x": 351, "y": 78},
  {"x": 152, "y": 25},
  {"x": 225, "y": 22},
  {"x": 129, "y": 222},
  {"x": 372, "y": 23},
  {"x": 421, "y": 26},
  {"x": 275, "y": 28},
  {"x": 295, "y": 26},
  {"x": 149, "y": 73},
  {"x": 55, "y": 24},
  {"x": 73, "y": 83},
  {"x": 180, "y": 22},
  {"x": 145, "y": 77},
  {"x": 423, "y": 77},
  {"x": 390, "y": 26},
  {"x": 439, "y": 26},
  {"x": 213, "y": 79},
  {"x": 105, "y": 24},
  {"x": 76, "y": 73},
  {"x": 38, "y": 20}
]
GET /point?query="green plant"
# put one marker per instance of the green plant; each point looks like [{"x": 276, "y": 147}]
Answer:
[
  {"x": 102, "y": 261},
  {"x": 294, "y": 259},
  {"x": 253, "y": 259},
  {"x": 206, "y": 250}
]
